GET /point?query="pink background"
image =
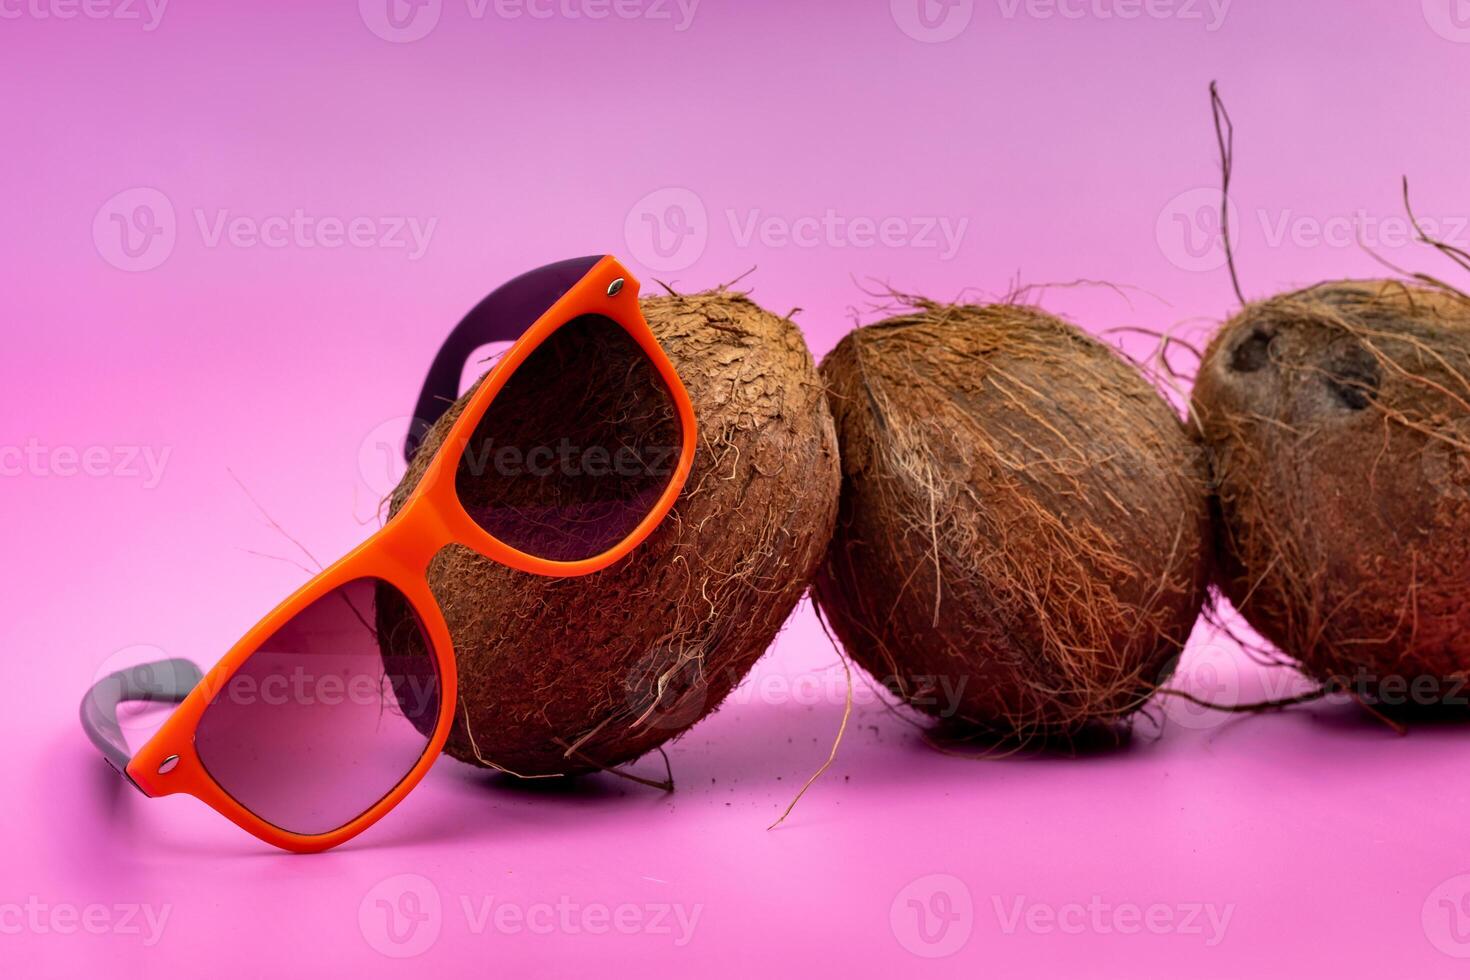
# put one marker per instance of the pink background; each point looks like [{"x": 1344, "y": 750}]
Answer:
[{"x": 1074, "y": 143}]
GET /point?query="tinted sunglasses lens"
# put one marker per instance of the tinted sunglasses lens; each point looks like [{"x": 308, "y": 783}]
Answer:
[
  {"x": 576, "y": 449},
  {"x": 320, "y": 723}
]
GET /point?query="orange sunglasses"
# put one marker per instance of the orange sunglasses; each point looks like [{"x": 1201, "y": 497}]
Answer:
[{"x": 326, "y": 714}]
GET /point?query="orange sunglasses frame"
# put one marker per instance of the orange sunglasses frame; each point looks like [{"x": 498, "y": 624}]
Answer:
[{"x": 399, "y": 554}]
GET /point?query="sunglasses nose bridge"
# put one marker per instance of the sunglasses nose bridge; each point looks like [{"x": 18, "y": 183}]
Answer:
[{"x": 416, "y": 535}]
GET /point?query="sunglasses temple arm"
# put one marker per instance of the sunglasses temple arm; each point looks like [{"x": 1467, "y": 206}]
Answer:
[
  {"x": 166, "y": 681},
  {"x": 502, "y": 316}
]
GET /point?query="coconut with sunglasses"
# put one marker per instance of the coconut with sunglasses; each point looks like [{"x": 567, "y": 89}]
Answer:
[{"x": 561, "y": 675}]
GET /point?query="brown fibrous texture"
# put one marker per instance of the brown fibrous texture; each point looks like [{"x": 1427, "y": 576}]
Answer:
[
  {"x": 1022, "y": 542},
  {"x": 1022, "y": 545},
  {"x": 1337, "y": 419},
  {"x": 566, "y": 675}
]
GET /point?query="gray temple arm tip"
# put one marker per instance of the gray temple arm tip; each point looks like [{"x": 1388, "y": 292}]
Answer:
[{"x": 166, "y": 681}]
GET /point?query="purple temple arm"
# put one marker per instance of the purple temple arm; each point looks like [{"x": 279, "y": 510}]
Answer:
[{"x": 503, "y": 315}]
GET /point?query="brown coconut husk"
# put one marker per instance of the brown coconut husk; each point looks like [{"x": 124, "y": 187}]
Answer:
[
  {"x": 1338, "y": 422},
  {"x": 566, "y": 675},
  {"x": 1022, "y": 542}
]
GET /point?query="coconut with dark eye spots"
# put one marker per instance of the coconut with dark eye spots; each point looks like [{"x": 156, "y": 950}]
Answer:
[{"x": 1337, "y": 421}]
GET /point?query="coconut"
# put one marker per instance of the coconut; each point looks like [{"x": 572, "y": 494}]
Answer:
[
  {"x": 1338, "y": 421},
  {"x": 563, "y": 675},
  {"x": 1022, "y": 541}
]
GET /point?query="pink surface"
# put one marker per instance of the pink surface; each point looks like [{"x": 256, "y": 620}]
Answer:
[{"x": 827, "y": 145}]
